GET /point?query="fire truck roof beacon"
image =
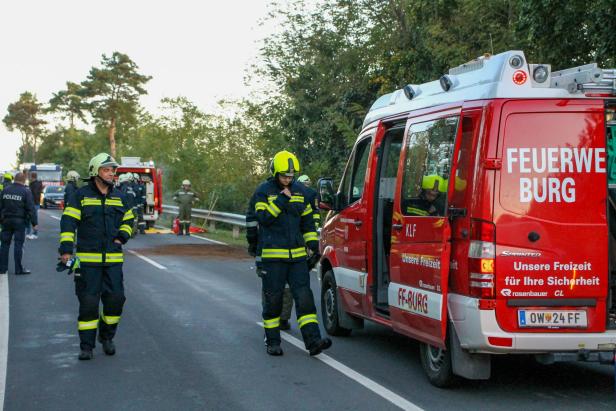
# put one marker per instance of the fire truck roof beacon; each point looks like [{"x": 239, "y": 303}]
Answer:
[
  {"x": 408, "y": 92},
  {"x": 446, "y": 82}
]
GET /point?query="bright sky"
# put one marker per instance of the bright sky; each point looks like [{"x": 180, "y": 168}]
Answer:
[{"x": 200, "y": 49}]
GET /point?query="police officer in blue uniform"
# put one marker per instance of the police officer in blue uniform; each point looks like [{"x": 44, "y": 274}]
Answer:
[
  {"x": 286, "y": 228},
  {"x": 103, "y": 222},
  {"x": 16, "y": 210}
]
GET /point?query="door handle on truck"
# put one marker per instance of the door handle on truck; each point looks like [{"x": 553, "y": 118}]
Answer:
[
  {"x": 357, "y": 223},
  {"x": 396, "y": 226}
]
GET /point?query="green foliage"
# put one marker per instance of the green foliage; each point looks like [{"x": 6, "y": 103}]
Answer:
[
  {"x": 112, "y": 93},
  {"x": 69, "y": 103},
  {"x": 24, "y": 115}
]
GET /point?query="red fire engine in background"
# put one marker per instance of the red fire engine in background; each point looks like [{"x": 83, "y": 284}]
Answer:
[
  {"x": 153, "y": 180},
  {"x": 474, "y": 215}
]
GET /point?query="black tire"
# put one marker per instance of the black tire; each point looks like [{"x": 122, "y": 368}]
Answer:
[
  {"x": 329, "y": 307},
  {"x": 436, "y": 363}
]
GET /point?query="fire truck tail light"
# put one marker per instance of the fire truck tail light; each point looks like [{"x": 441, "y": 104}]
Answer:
[
  {"x": 519, "y": 77},
  {"x": 481, "y": 257}
]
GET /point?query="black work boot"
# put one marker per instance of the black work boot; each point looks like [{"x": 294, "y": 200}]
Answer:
[
  {"x": 180, "y": 229},
  {"x": 86, "y": 354},
  {"x": 274, "y": 349},
  {"x": 108, "y": 346},
  {"x": 285, "y": 325},
  {"x": 318, "y": 346},
  {"x": 188, "y": 229}
]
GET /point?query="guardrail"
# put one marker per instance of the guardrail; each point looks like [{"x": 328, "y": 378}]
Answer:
[{"x": 236, "y": 220}]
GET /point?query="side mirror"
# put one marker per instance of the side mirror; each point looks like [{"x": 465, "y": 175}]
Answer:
[{"x": 325, "y": 193}]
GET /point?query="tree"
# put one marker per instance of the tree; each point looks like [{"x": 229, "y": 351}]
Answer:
[
  {"x": 69, "y": 103},
  {"x": 24, "y": 116},
  {"x": 112, "y": 93}
]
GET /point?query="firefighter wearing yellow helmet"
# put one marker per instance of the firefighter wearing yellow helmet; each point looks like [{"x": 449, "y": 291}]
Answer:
[
  {"x": 185, "y": 198},
  {"x": 97, "y": 221},
  {"x": 286, "y": 228},
  {"x": 431, "y": 200},
  {"x": 7, "y": 179}
]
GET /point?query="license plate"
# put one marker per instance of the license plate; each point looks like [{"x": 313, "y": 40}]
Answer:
[{"x": 552, "y": 318}]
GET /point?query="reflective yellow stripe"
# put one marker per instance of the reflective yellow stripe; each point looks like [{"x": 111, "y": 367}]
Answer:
[
  {"x": 110, "y": 319},
  {"x": 91, "y": 202},
  {"x": 126, "y": 228},
  {"x": 271, "y": 198},
  {"x": 273, "y": 323},
  {"x": 67, "y": 236},
  {"x": 311, "y": 236},
  {"x": 307, "y": 211},
  {"x": 418, "y": 211},
  {"x": 298, "y": 252},
  {"x": 114, "y": 257},
  {"x": 90, "y": 257},
  {"x": 260, "y": 206},
  {"x": 297, "y": 199},
  {"x": 275, "y": 253},
  {"x": 114, "y": 203},
  {"x": 72, "y": 212},
  {"x": 307, "y": 319},
  {"x": 88, "y": 325},
  {"x": 317, "y": 216},
  {"x": 128, "y": 215},
  {"x": 273, "y": 209}
]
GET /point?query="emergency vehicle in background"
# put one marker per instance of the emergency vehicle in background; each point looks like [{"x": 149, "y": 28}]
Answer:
[
  {"x": 515, "y": 255},
  {"x": 47, "y": 173},
  {"x": 153, "y": 180}
]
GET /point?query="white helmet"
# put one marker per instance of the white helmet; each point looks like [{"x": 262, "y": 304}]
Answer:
[
  {"x": 123, "y": 178},
  {"x": 72, "y": 175},
  {"x": 185, "y": 183},
  {"x": 136, "y": 177}
]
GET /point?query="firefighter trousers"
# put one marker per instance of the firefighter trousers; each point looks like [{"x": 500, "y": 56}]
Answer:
[
  {"x": 277, "y": 275},
  {"x": 287, "y": 304},
  {"x": 94, "y": 284}
]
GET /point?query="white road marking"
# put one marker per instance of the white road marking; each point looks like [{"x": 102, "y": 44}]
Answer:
[
  {"x": 50, "y": 215},
  {"x": 4, "y": 334},
  {"x": 208, "y": 239},
  {"x": 148, "y": 260},
  {"x": 372, "y": 385}
]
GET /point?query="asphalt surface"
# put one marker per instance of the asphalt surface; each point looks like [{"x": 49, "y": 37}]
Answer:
[{"x": 189, "y": 340}]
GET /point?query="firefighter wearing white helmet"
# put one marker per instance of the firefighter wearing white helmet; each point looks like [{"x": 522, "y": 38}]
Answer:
[
  {"x": 311, "y": 194},
  {"x": 185, "y": 198},
  {"x": 286, "y": 229},
  {"x": 72, "y": 177},
  {"x": 97, "y": 221}
]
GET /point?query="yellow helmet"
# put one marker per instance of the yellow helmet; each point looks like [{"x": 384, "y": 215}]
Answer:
[
  {"x": 434, "y": 182},
  {"x": 285, "y": 163},
  {"x": 8, "y": 177}
]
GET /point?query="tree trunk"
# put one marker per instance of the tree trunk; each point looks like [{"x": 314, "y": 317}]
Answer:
[{"x": 112, "y": 142}]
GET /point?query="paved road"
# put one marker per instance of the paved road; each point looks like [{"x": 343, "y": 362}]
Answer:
[{"x": 189, "y": 340}]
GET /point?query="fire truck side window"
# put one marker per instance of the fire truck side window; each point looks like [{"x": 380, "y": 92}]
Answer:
[
  {"x": 359, "y": 170},
  {"x": 426, "y": 167}
]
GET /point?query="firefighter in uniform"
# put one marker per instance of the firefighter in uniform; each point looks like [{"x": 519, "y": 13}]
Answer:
[
  {"x": 185, "y": 198},
  {"x": 71, "y": 184},
  {"x": 252, "y": 237},
  {"x": 98, "y": 213},
  {"x": 431, "y": 198},
  {"x": 140, "y": 201},
  {"x": 7, "y": 179},
  {"x": 126, "y": 187},
  {"x": 311, "y": 195},
  {"x": 16, "y": 211},
  {"x": 286, "y": 228}
]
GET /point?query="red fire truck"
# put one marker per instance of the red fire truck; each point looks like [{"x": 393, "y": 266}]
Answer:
[
  {"x": 153, "y": 180},
  {"x": 474, "y": 216}
]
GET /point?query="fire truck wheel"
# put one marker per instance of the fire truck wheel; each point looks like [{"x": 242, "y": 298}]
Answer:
[
  {"x": 329, "y": 306},
  {"x": 436, "y": 363}
]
